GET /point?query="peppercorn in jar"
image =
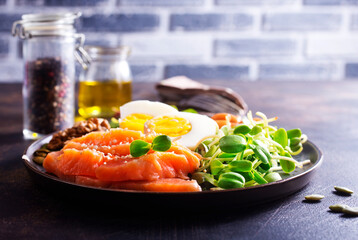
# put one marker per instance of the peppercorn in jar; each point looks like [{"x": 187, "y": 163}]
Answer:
[{"x": 50, "y": 45}]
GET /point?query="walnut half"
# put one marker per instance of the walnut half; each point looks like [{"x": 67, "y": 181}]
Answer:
[{"x": 79, "y": 129}]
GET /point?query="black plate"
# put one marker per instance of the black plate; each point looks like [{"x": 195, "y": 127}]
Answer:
[{"x": 236, "y": 197}]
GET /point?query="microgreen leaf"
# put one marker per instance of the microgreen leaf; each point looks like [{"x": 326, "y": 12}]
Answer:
[
  {"x": 232, "y": 144},
  {"x": 114, "y": 123},
  {"x": 294, "y": 133},
  {"x": 216, "y": 166},
  {"x": 240, "y": 166},
  {"x": 229, "y": 156},
  {"x": 258, "y": 178},
  {"x": 294, "y": 141},
  {"x": 231, "y": 180},
  {"x": 260, "y": 154},
  {"x": 280, "y": 137},
  {"x": 139, "y": 148},
  {"x": 174, "y": 106},
  {"x": 190, "y": 110},
  {"x": 255, "y": 130},
  {"x": 161, "y": 143},
  {"x": 272, "y": 177},
  {"x": 287, "y": 166},
  {"x": 242, "y": 129}
]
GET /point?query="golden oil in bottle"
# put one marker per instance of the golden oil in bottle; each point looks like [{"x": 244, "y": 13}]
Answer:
[
  {"x": 102, "y": 98},
  {"x": 106, "y": 83}
]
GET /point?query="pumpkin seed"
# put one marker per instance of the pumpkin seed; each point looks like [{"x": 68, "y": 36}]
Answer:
[
  {"x": 38, "y": 160},
  {"x": 45, "y": 150},
  {"x": 351, "y": 210},
  {"x": 314, "y": 197},
  {"x": 338, "y": 207},
  {"x": 343, "y": 190},
  {"x": 40, "y": 154}
]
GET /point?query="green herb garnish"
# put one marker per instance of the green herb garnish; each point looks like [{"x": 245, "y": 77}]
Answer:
[
  {"x": 114, "y": 123},
  {"x": 160, "y": 144},
  {"x": 249, "y": 154},
  {"x": 190, "y": 110}
]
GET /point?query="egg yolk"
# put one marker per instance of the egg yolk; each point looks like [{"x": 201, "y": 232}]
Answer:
[
  {"x": 135, "y": 121},
  {"x": 169, "y": 125}
]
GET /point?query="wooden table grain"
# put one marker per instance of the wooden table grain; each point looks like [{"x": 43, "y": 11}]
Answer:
[{"x": 326, "y": 111}]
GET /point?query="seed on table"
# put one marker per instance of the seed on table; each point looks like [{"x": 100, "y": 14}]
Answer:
[
  {"x": 338, "y": 207},
  {"x": 351, "y": 210},
  {"x": 343, "y": 190},
  {"x": 314, "y": 197}
]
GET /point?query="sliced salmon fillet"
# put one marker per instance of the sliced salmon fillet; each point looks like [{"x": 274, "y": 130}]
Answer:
[
  {"x": 103, "y": 158},
  {"x": 149, "y": 167},
  {"x": 113, "y": 137},
  {"x": 92, "y": 182},
  {"x": 73, "y": 162},
  {"x": 160, "y": 185},
  {"x": 50, "y": 163},
  {"x": 51, "y": 166},
  {"x": 118, "y": 150},
  {"x": 190, "y": 155}
]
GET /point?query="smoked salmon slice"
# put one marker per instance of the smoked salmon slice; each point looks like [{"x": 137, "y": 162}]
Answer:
[
  {"x": 149, "y": 167},
  {"x": 103, "y": 159},
  {"x": 118, "y": 150},
  {"x": 109, "y": 138},
  {"x": 160, "y": 185},
  {"x": 73, "y": 162},
  {"x": 51, "y": 166}
]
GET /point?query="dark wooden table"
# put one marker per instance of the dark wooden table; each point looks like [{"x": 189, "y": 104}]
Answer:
[{"x": 326, "y": 111}]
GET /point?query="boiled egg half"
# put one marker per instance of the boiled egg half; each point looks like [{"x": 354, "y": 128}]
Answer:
[
  {"x": 159, "y": 118},
  {"x": 134, "y": 114},
  {"x": 188, "y": 128}
]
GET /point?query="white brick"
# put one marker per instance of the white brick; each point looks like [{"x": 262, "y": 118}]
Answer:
[
  {"x": 332, "y": 46},
  {"x": 168, "y": 47}
]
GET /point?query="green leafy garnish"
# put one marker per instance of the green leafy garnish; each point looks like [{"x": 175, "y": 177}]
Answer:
[
  {"x": 249, "y": 154},
  {"x": 114, "y": 123},
  {"x": 190, "y": 110},
  {"x": 242, "y": 129},
  {"x": 175, "y": 107},
  {"x": 240, "y": 166},
  {"x": 280, "y": 136},
  {"x": 232, "y": 144},
  {"x": 160, "y": 143},
  {"x": 230, "y": 180},
  {"x": 139, "y": 148}
]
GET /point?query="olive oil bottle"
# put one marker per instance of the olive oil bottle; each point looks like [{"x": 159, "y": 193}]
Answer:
[
  {"x": 102, "y": 98},
  {"x": 107, "y": 82}
]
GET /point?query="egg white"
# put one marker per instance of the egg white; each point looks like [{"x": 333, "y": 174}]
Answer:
[
  {"x": 146, "y": 107},
  {"x": 201, "y": 126}
]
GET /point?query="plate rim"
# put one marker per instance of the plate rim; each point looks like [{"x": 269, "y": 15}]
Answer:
[{"x": 30, "y": 165}]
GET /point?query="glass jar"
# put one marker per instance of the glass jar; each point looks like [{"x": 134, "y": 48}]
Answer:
[
  {"x": 50, "y": 44},
  {"x": 107, "y": 82}
]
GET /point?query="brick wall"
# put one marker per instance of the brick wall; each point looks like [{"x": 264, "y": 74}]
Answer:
[{"x": 209, "y": 39}]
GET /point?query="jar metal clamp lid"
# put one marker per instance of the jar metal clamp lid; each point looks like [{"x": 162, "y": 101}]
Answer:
[
  {"x": 100, "y": 52},
  {"x": 51, "y": 25}
]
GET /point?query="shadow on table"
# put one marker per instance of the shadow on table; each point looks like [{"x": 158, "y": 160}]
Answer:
[
  {"x": 202, "y": 216},
  {"x": 11, "y": 138}
]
